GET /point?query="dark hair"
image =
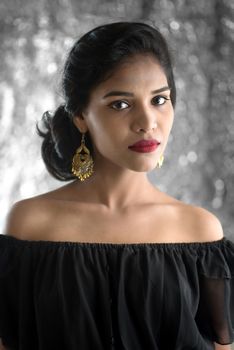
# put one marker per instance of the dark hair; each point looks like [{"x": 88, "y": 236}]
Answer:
[{"x": 91, "y": 60}]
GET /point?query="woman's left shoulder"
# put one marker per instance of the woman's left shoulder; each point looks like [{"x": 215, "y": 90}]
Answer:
[{"x": 204, "y": 224}]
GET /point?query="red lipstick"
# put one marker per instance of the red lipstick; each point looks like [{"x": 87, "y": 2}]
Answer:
[{"x": 144, "y": 146}]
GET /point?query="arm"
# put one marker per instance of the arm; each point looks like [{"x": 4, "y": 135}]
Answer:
[
  {"x": 18, "y": 223},
  {"x": 220, "y": 347},
  {"x": 210, "y": 229},
  {"x": 2, "y": 347}
]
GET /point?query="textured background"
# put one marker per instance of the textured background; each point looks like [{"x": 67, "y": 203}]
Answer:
[{"x": 199, "y": 159}]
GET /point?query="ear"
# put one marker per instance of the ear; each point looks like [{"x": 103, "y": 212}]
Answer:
[{"x": 80, "y": 123}]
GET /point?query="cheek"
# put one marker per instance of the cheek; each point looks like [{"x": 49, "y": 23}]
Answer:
[
  {"x": 103, "y": 134},
  {"x": 95, "y": 124},
  {"x": 170, "y": 117},
  {"x": 166, "y": 123},
  {"x": 103, "y": 124}
]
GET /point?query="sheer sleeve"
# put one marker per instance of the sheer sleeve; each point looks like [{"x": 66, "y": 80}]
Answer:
[{"x": 215, "y": 315}]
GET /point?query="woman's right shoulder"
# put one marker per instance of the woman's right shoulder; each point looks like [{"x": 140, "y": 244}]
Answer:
[{"x": 27, "y": 218}]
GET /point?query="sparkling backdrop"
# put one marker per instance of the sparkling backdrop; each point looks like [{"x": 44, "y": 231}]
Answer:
[{"x": 199, "y": 159}]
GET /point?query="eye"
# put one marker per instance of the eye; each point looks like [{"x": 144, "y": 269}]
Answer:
[
  {"x": 119, "y": 105},
  {"x": 160, "y": 100}
]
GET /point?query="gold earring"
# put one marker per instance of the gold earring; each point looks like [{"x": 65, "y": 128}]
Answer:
[
  {"x": 160, "y": 162},
  {"x": 82, "y": 164}
]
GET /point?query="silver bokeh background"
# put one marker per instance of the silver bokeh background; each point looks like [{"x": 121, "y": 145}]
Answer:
[{"x": 199, "y": 160}]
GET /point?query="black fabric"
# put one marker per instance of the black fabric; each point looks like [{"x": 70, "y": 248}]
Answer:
[{"x": 97, "y": 296}]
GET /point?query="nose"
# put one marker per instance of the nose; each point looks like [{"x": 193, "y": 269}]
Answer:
[
  {"x": 147, "y": 129},
  {"x": 147, "y": 121}
]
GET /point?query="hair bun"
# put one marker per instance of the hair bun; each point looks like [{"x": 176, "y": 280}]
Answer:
[{"x": 61, "y": 138}]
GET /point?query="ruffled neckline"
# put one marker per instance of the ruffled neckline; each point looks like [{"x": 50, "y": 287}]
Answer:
[{"x": 159, "y": 245}]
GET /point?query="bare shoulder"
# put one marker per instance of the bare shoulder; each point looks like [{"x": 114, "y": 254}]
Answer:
[
  {"x": 203, "y": 224},
  {"x": 39, "y": 217},
  {"x": 26, "y": 218},
  {"x": 186, "y": 222},
  {"x": 30, "y": 218}
]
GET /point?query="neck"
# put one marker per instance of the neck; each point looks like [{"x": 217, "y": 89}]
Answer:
[{"x": 116, "y": 188}]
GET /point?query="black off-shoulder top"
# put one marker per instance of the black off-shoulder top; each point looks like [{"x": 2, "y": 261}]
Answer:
[{"x": 128, "y": 296}]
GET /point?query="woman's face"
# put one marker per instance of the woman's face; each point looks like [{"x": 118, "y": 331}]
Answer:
[{"x": 125, "y": 109}]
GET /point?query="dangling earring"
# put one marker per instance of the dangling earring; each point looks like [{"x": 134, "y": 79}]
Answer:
[
  {"x": 82, "y": 164},
  {"x": 160, "y": 162}
]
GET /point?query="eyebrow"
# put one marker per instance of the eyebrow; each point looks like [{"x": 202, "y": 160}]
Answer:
[{"x": 124, "y": 93}]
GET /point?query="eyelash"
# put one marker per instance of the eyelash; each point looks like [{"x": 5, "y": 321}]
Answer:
[{"x": 111, "y": 105}]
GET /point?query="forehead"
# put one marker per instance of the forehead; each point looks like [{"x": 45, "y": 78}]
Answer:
[{"x": 138, "y": 70}]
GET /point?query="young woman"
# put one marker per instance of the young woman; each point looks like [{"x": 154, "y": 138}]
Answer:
[{"x": 109, "y": 261}]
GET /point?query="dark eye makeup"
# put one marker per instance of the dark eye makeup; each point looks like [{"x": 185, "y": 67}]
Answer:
[
  {"x": 116, "y": 104},
  {"x": 157, "y": 100},
  {"x": 163, "y": 99}
]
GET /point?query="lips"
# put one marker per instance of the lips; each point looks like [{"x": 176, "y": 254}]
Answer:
[{"x": 145, "y": 143}]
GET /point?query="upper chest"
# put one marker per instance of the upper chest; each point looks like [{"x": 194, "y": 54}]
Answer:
[{"x": 148, "y": 223}]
